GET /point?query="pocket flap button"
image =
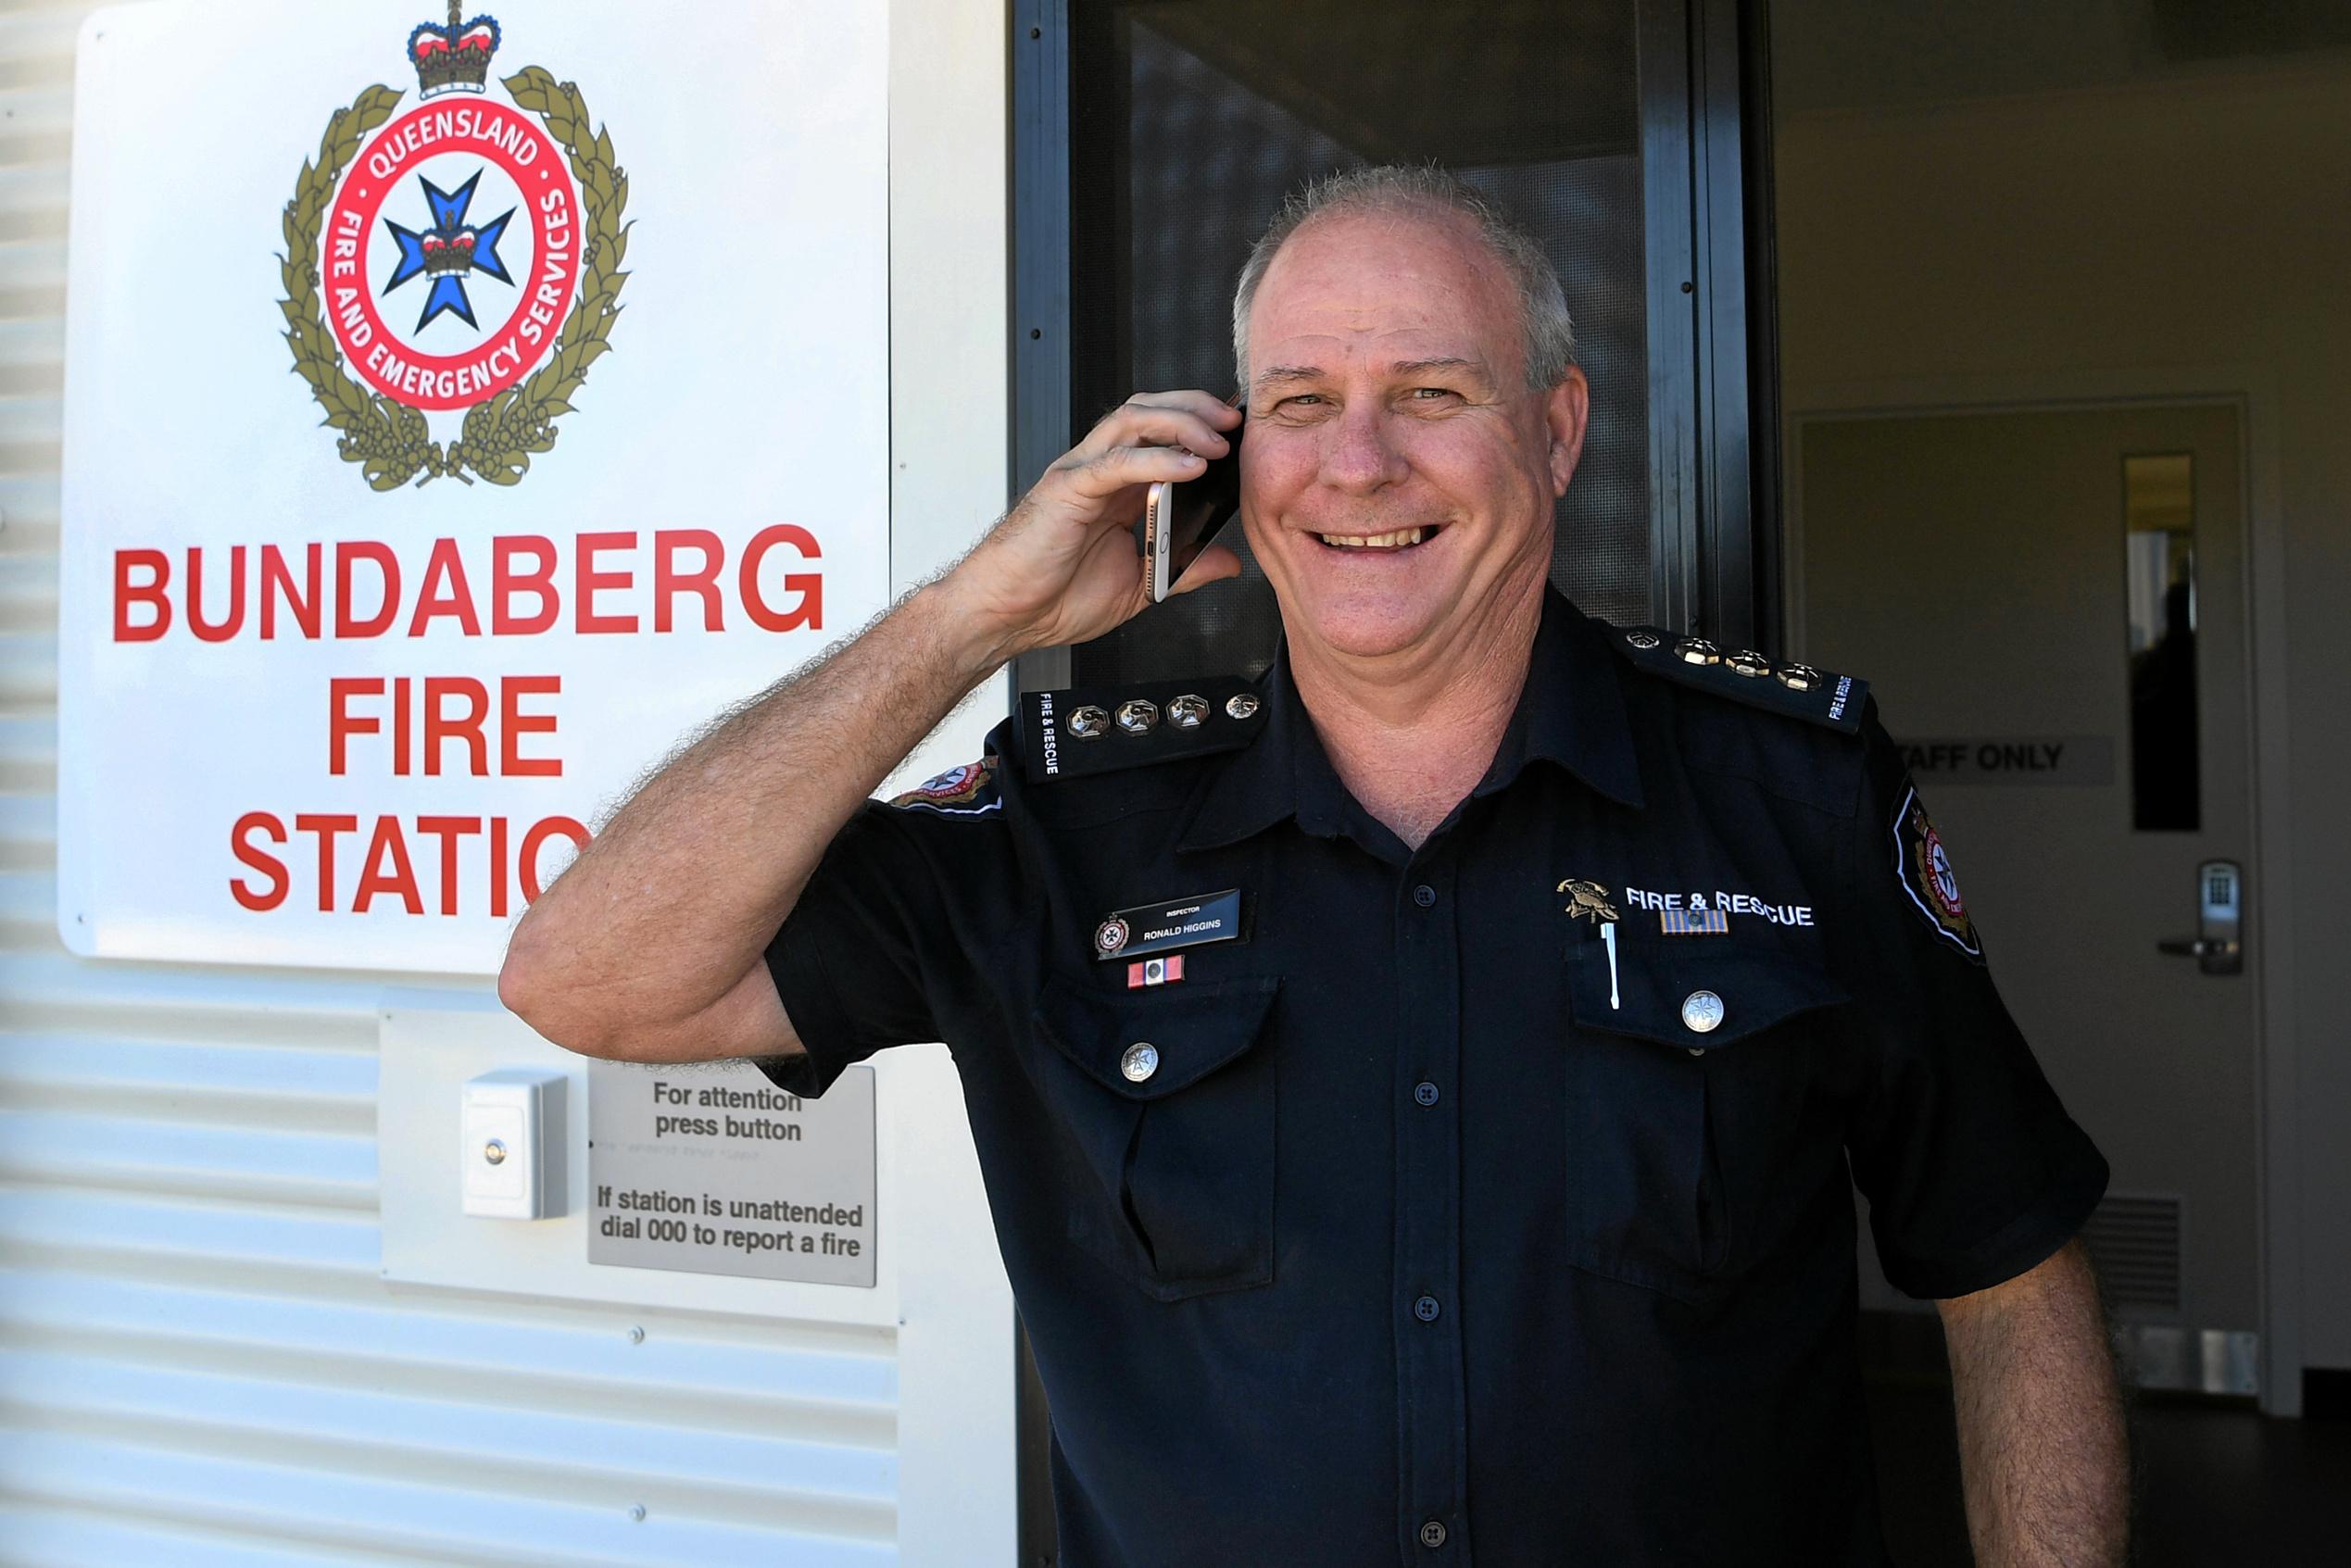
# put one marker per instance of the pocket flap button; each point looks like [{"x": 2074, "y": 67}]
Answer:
[
  {"x": 1702, "y": 1010},
  {"x": 1140, "y": 1061}
]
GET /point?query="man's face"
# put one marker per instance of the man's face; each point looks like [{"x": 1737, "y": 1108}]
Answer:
[{"x": 1388, "y": 393}]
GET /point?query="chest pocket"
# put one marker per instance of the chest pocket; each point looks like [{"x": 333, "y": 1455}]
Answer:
[
  {"x": 1690, "y": 1150},
  {"x": 1167, "y": 1113}
]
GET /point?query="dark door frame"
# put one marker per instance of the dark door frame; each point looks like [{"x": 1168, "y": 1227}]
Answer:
[{"x": 1713, "y": 364}]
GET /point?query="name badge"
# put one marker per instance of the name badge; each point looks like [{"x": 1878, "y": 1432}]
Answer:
[{"x": 1179, "y": 922}]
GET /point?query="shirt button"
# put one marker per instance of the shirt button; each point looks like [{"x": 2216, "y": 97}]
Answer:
[
  {"x": 1432, "y": 1533},
  {"x": 1424, "y": 1093},
  {"x": 1426, "y": 1309},
  {"x": 1424, "y": 895}
]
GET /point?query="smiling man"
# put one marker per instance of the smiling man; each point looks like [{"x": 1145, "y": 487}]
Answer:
[{"x": 1419, "y": 1092}]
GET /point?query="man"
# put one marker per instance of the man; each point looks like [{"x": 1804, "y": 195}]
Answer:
[{"x": 1414, "y": 1091}]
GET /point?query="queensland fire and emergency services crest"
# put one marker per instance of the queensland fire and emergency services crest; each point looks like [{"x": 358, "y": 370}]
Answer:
[{"x": 452, "y": 269}]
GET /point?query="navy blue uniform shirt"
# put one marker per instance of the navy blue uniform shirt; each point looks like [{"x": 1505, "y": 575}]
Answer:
[{"x": 1446, "y": 1222}]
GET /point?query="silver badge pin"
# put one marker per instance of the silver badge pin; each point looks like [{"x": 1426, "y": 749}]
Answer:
[
  {"x": 1090, "y": 722},
  {"x": 1702, "y": 1011},
  {"x": 1188, "y": 711},
  {"x": 1697, "y": 650},
  {"x": 1138, "y": 716}
]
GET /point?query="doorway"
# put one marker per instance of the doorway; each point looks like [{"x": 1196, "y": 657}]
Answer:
[
  {"x": 1154, "y": 139},
  {"x": 2050, "y": 603},
  {"x": 1151, "y": 141}
]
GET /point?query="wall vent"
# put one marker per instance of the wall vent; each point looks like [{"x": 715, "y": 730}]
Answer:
[{"x": 2134, "y": 1241}]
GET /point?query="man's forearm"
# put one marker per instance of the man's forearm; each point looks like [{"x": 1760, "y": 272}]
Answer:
[
  {"x": 653, "y": 934},
  {"x": 2042, "y": 1446},
  {"x": 676, "y": 895}
]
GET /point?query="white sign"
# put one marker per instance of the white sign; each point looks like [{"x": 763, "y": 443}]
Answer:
[
  {"x": 596, "y": 311},
  {"x": 715, "y": 1170}
]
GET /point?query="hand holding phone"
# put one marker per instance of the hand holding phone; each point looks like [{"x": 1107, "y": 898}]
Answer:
[{"x": 1180, "y": 518}]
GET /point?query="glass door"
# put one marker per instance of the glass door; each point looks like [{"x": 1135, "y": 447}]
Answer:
[{"x": 1154, "y": 139}]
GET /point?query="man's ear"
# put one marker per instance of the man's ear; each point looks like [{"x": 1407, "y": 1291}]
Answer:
[{"x": 1565, "y": 407}]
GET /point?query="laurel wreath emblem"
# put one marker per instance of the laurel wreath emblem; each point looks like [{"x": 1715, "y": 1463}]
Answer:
[{"x": 390, "y": 440}]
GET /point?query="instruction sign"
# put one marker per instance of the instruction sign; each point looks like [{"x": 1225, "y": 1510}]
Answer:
[{"x": 709, "y": 1168}]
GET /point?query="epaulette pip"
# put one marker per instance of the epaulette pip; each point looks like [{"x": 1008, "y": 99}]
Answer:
[
  {"x": 1095, "y": 730},
  {"x": 1818, "y": 696}
]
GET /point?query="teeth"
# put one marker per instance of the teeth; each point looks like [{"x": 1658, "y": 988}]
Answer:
[{"x": 1373, "y": 541}]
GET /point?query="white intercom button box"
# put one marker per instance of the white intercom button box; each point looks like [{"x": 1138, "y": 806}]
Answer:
[{"x": 511, "y": 1141}]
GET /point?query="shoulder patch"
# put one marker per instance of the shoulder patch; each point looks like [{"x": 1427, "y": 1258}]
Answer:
[
  {"x": 1818, "y": 696},
  {"x": 1924, "y": 869},
  {"x": 967, "y": 791},
  {"x": 1099, "y": 729}
]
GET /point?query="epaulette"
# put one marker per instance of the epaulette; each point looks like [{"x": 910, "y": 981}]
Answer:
[
  {"x": 1818, "y": 696},
  {"x": 1097, "y": 729}
]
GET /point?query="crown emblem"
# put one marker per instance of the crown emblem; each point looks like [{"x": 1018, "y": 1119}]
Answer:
[
  {"x": 447, "y": 254},
  {"x": 453, "y": 58}
]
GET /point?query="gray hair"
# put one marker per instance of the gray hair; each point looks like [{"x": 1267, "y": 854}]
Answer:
[{"x": 1425, "y": 191}]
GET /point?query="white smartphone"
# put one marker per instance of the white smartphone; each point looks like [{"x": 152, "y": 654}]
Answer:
[{"x": 1179, "y": 519}]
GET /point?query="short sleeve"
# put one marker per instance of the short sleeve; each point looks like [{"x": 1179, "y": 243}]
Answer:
[
  {"x": 891, "y": 929},
  {"x": 1974, "y": 1172}
]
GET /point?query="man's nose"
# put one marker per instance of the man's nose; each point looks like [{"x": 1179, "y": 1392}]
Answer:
[{"x": 1358, "y": 456}]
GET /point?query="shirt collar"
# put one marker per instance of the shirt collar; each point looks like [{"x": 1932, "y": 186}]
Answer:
[{"x": 1570, "y": 713}]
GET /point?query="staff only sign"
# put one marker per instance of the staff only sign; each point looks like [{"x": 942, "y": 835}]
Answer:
[{"x": 460, "y": 408}]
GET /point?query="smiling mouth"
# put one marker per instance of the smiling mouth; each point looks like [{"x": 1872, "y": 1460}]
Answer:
[{"x": 1401, "y": 539}]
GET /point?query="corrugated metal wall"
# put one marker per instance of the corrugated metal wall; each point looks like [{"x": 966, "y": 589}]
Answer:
[{"x": 199, "y": 1363}]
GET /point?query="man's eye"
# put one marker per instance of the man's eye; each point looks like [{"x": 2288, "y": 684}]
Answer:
[
  {"x": 1432, "y": 392},
  {"x": 1304, "y": 397}
]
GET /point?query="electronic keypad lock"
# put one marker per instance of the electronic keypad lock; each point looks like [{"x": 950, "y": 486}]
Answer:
[{"x": 2218, "y": 945}]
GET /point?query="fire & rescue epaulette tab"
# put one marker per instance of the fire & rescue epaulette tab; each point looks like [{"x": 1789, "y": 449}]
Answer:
[
  {"x": 1096, "y": 729},
  {"x": 1818, "y": 696}
]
